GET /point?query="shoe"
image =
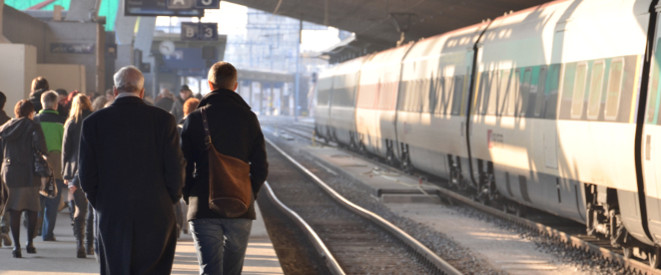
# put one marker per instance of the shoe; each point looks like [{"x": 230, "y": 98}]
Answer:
[
  {"x": 49, "y": 239},
  {"x": 16, "y": 253},
  {"x": 6, "y": 240},
  {"x": 81, "y": 253},
  {"x": 30, "y": 249},
  {"x": 90, "y": 249}
]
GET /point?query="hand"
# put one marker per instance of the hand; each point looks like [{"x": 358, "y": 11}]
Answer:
[{"x": 72, "y": 189}]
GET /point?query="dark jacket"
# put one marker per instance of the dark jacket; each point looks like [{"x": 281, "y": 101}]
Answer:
[
  {"x": 19, "y": 137},
  {"x": 70, "y": 146},
  {"x": 35, "y": 98},
  {"x": 132, "y": 170},
  {"x": 3, "y": 117},
  {"x": 235, "y": 131}
]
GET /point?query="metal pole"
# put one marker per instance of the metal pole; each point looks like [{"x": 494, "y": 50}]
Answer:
[{"x": 298, "y": 70}]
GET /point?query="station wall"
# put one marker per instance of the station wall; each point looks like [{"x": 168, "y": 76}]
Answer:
[
  {"x": 18, "y": 68},
  {"x": 66, "y": 76},
  {"x": 61, "y": 42}
]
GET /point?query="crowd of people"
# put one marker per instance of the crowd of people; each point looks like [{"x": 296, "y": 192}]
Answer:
[{"x": 128, "y": 164}]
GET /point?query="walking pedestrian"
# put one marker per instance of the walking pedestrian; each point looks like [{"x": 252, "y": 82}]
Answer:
[
  {"x": 39, "y": 86},
  {"x": 131, "y": 169},
  {"x": 52, "y": 125},
  {"x": 221, "y": 242},
  {"x": 20, "y": 137},
  {"x": 81, "y": 107},
  {"x": 4, "y": 191}
]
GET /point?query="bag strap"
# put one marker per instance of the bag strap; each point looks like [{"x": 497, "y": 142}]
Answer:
[{"x": 207, "y": 138}]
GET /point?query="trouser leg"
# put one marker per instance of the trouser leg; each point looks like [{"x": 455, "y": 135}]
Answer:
[
  {"x": 89, "y": 229},
  {"x": 237, "y": 232},
  {"x": 208, "y": 238},
  {"x": 50, "y": 213}
]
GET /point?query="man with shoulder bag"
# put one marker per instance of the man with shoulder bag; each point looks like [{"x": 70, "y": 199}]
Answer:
[{"x": 224, "y": 146}]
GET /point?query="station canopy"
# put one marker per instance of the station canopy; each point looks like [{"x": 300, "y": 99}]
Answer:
[
  {"x": 382, "y": 21},
  {"x": 377, "y": 21}
]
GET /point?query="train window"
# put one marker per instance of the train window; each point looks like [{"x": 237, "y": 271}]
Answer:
[
  {"x": 552, "y": 82},
  {"x": 448, "y": 87},
  {"x": 614, "y": 88},
  {"x": 401, "y": 102},
  {"x": 578, "y": 99},
  {"x": 483, "y": 95},
  {"x": 408, "y": 94},
  {"x": 322, "y": 97},
  {"x": 431, "y": 93},
  {"x": 508, "y": 86},
  {"x": 522, "y": 99},
  {"x": 567, "y": 83},
  {"x": 539, "y": 92},
  {"x": 386, "y": 95},
  {"x": 457, "y": 95},
  {"x": 439, "y": 84},
  {"x": 596, "y": 85},
  {"x": 493, "y": 93},
  {"x": 503, "y": 86}
]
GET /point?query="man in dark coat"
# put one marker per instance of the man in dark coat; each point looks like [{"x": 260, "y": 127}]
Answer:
[
  {"x": 131, "y": 169},
  {"x": 38, "y": 87},
  {"x": 221, "y": 242}
]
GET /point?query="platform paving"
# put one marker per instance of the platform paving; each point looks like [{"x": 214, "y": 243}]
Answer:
[{"x": 59, "y": 257}]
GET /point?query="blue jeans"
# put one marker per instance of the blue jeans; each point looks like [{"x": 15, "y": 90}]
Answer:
[
  {"x": 220, "y": 244},
  {"x": 50, "y": 208}
]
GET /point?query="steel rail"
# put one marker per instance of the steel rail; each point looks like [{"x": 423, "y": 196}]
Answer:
[
  {"x": 332, "y": 264},
  {"x": 432, "y": 259},
  {"x": 567, "y": 238}
]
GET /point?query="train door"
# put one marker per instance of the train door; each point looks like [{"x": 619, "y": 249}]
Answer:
[{"x": 651, "y": 146}]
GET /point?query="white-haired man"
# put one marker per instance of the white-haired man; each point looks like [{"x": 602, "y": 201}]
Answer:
[{"x": 131, "y": 169}]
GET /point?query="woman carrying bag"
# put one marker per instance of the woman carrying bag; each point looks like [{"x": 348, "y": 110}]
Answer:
[{"x": 21, "y": 137}]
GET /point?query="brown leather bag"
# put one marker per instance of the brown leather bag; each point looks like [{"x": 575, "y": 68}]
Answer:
[{"x": 230, "y": 191}]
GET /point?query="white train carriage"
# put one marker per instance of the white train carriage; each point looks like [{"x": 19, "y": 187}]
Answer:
[
  {"x": 557, "y": 117},
  {"x": 377, "y": 100},
  {"x": 322, "y": 107},
  {"x": 555, "y": 109},
  {"x": 432, "y": 101},
  {"x": 343, "y": 102}
]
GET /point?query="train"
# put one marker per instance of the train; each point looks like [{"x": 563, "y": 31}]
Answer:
[{"x": 555, "y": 107}]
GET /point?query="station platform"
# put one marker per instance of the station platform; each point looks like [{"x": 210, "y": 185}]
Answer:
[{"x": 59, "y": 257}]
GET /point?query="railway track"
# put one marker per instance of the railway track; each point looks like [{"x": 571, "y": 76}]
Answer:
[
  {"x": 552, "y": 228},
  {"x": 351, "y": 239}
]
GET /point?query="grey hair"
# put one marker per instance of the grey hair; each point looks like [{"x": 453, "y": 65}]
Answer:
[
  {"x": 129, "y": 79},
  {"x": 49, "y": 100}
]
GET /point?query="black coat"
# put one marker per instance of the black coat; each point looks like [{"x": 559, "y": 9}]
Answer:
[
  {"x": 70, "y": 146},
  {"x": 131, "y": 169},
  {"x": 235, "y": 131},
  {"x": 20, "y": 136}
]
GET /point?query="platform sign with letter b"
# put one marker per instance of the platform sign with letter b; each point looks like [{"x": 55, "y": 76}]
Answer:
[{"x": 199, "y": 31}]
